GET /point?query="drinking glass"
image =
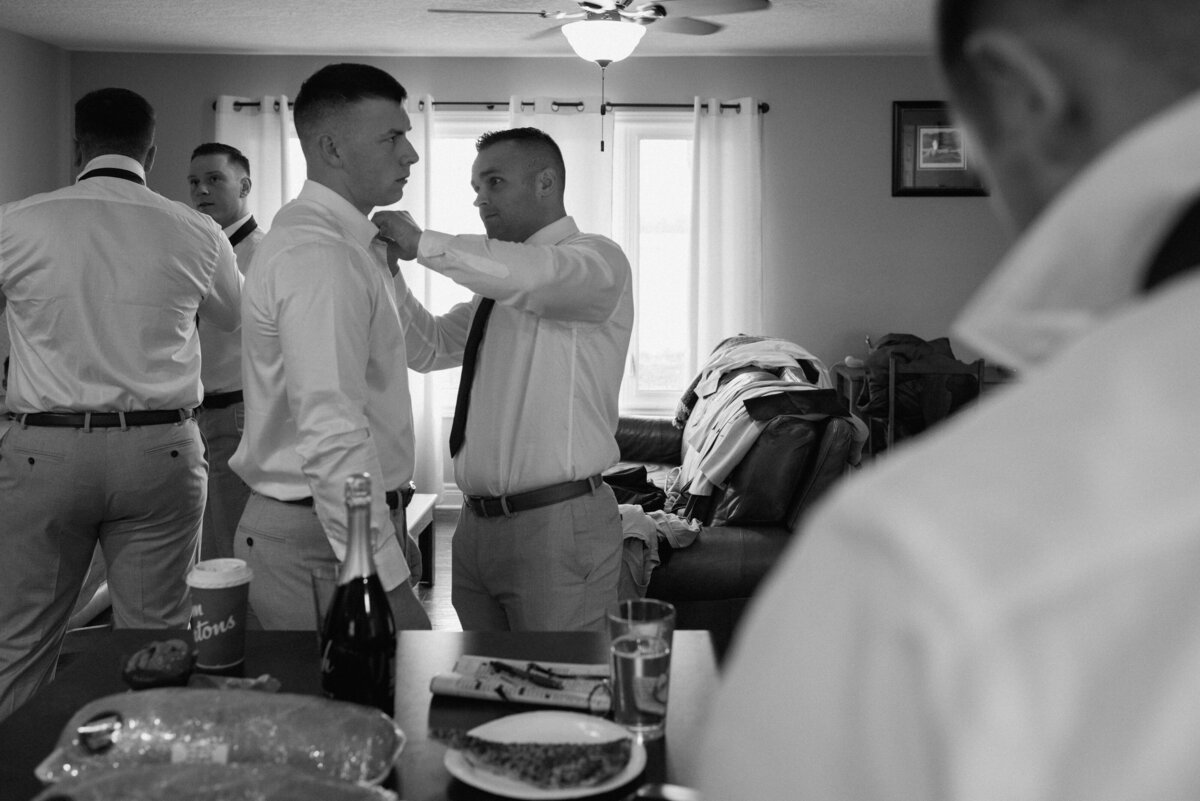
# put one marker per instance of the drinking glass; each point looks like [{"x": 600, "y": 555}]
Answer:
[{"x": 641, "y": 632}]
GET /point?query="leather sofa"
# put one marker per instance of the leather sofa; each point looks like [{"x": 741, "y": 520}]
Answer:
[{"x": 747, "y": 525}]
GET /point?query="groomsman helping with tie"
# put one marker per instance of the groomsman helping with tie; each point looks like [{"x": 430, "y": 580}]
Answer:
[
  {"x": 219, "y": 186},
  {"x": 543, "y": 343}
]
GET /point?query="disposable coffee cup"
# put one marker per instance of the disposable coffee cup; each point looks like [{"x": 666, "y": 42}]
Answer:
[{"x": 219, "y": 589}]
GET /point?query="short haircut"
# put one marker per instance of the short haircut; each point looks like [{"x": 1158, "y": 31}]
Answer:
[
  {"x": 220, "y": 149},
  {"x": 114, "y": 121},
  {"x": 333, "y": 87},
  {"x": 542, "y": 149}
]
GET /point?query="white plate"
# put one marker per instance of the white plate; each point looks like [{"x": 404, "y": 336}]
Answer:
[{"x": 544, "y": 727}]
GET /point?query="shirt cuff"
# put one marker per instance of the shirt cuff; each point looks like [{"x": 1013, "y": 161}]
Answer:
[
  {"x": 390, "y": 563},
  {"x": 432, "y": 243}
]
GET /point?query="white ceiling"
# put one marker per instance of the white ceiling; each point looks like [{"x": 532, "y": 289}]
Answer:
[{"x": 405, "y": 28}]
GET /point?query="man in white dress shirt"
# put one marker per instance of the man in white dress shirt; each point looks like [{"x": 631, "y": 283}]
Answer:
[
  {"x": 325, "y": 380},
  {"x": 538, "y": 544},
  {"x": 103, "y": 282},
  {"x": 219, "y": 186},
  {"x": 1009, "y": 608}
]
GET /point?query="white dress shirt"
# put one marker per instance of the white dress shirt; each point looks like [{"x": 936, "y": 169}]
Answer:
[
  {"x": 221, "y": 368},
  {"x": 103, "y": 281},
  {"x": 544, "y": 402},
  {"x": 324, "y": 375},
  {"x": 1009, "y": 608}
]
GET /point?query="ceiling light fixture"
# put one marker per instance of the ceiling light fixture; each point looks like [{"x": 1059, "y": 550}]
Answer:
[{"x": 603, "y": 41}]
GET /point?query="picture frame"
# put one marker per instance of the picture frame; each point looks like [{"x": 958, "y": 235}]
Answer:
[{"x": 930, "y": 154}]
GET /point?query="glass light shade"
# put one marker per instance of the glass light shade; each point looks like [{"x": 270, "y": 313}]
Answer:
[{"x": 602, "y": 40}]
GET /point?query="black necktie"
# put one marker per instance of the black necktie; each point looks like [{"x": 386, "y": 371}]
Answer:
[{"x": 474, "y": 337}]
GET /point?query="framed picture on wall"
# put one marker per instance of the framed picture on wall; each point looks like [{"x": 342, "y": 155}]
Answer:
[{"x": 930, "y": 155}]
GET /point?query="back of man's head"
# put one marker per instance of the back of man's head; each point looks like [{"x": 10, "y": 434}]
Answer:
[
  {"x": 541, "y": 148},
  {"x": 331, "y": 88},
  {"x": 1046, "y": 86},
  {"x": 234, "y": 155},
  {"x": 1163, "y": 34},
  {"x": 114, "y": 121}
]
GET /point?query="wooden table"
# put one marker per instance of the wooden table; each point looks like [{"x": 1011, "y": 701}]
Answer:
[{"x": 29, "y": 734}]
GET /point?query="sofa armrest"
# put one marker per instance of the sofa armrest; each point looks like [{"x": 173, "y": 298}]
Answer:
[{"x": 654, "y": 440}]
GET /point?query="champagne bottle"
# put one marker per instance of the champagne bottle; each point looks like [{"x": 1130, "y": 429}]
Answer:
[{"x": 358, "y": 659}]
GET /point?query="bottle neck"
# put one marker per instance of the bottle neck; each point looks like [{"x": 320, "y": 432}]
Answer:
[{"x": 359, "y": 562}]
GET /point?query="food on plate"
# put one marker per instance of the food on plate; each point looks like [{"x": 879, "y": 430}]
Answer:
[
  {"x": 550, "y": 766},
  {"x": 162, "y": 663},
  {"x": 185, "y": 725},
  {"x": 205, "y": 782}
]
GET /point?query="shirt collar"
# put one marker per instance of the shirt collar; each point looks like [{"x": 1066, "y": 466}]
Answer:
[
  {"x": 113, "y": 161},
  {"x": 1085, "y": 254},
  {"x": 357, "y": 226},
  {"x": 231, "y": 229},
  {"x": 554, "y": 233}
]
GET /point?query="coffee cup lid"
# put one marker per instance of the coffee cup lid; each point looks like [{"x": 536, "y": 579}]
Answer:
[{"x": 216, "y": 573}]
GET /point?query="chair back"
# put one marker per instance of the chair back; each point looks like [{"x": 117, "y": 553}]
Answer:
[{"x": 920, "y": 395}]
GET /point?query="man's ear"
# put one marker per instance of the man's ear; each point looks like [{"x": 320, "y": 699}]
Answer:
[
  {"x": 327, "y": 148},
  {"x": 1028, "y": 96},
  {"x": 546, "y": 181},
  {"x": 245, "y": 186},
  {"x": 148, "y": 162}
]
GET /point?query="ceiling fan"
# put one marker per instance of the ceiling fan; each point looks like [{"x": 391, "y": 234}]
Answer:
[{"x": 606, "y": 21}]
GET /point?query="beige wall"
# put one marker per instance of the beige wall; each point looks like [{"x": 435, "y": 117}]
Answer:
[
  {"x": 34, "y": 139},
  {"x": 842, "y": 257}
]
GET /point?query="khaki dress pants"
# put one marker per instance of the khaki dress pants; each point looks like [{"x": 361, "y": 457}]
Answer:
[{"x": 139, "y": 492}]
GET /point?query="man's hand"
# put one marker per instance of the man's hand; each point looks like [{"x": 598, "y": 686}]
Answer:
[{"x": 399, "y": 228}]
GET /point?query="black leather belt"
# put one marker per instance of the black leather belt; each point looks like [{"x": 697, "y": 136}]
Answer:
[
  {"x": 103, "y": 419},
  {"x": 221, "y": 400},
  {"x": 393, "y": 497},
  {"x": 507, "y": 505}
]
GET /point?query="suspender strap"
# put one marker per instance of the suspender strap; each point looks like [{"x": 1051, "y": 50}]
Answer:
[
  {"x": 113, "y": 172},
  {"x": 243, "y": 231}
]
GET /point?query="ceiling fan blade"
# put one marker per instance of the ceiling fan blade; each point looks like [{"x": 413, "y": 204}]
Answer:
[
  {"x": 546, "y": 32},
  {"x": 692, "y": 27},
  {"x": 710, "y": 8},
  {"x": 543, "y": 14}
]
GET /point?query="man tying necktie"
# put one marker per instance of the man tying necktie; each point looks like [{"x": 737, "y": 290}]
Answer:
[
  {"x": 542, "y": 345},
  {"x": 104, "y": 281}
]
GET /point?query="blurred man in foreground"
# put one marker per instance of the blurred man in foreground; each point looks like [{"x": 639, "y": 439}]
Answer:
[{"x": 1010, "y": 609}]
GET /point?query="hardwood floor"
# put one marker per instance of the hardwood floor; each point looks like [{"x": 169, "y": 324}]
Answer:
[{"x": 436, "y": 599}]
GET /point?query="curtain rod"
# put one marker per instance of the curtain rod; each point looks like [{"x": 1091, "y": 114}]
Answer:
[{"x": 763, "y": 108}]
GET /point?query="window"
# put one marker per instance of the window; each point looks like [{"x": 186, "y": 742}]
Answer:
[
  {"x": 452, "y": 209},
  {"x": 652, "y": 207}
]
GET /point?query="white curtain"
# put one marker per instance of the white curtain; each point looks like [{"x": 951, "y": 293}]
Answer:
[
  {"x": 577, "y": 128},
  {"x": 427, "y": 427},
  {"x": 726, "y": 230},
  {"x": 262, "y": 129}
]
